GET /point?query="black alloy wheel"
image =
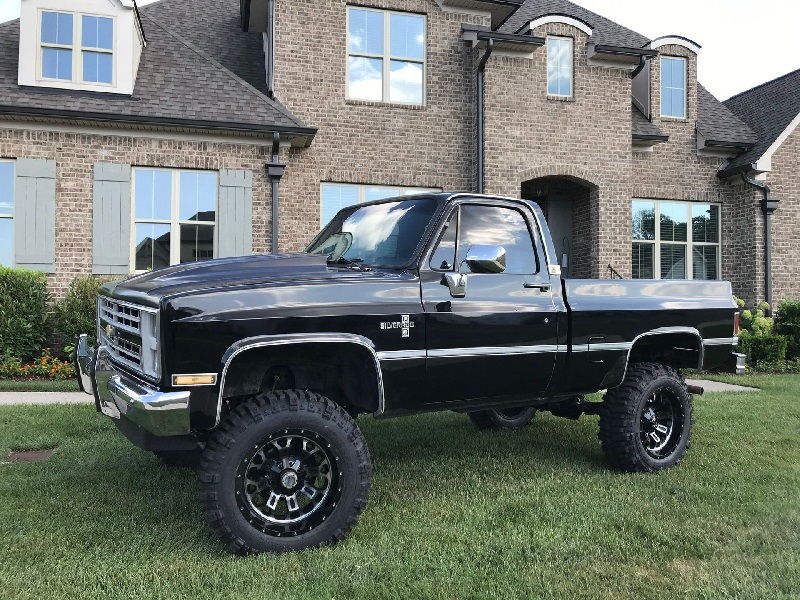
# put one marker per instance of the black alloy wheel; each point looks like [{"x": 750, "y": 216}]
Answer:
[{"x": 646, "y": 421}]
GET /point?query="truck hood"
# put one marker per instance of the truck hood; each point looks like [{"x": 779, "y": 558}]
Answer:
[{"x": 149, "y": 288}]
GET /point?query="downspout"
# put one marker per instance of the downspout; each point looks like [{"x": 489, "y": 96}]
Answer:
[
  {"x": 275, "y": 171},
  {"x": 269, "y": 49},
  {"x": 480, "y": 85},
  {"x": 768, "y": 206}
]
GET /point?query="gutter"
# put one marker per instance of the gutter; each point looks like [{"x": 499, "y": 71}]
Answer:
[
  {"x": 154, "y": 121},
  {"x": 480, "y": 85},
  {"x": 270, "y": 50},
  {"x": 768, "y": 206}
]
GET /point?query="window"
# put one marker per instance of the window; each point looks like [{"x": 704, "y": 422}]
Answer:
[
  {"x": 559, "y": 66},
  {"x": 336, "y": 196},
  {"x": 673, "y": 87},
  {"x": 174, "y": 215},
  {"x": 385, "y": 56},
  {"x": 94, "y": 63},
  {"x": 385, "y": 234},
  {"x": 675, "y": 240},
  {"x": 497, "y": 226},
  {"x": 6, "y": 213}
]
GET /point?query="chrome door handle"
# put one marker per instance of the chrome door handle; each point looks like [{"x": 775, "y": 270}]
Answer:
[{"x": 542, "y": 287}]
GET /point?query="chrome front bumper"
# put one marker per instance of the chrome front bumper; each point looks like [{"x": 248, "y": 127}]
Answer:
[{"x": 121, "y": 396}]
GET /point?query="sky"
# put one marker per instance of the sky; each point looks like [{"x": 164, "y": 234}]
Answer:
[{"x": 745, "y": 42}]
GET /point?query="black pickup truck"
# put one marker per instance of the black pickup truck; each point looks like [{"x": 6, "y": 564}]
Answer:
[{"x": 256, "y": 367}]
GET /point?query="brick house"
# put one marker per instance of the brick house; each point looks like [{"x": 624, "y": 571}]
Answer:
[{"x": 199, "y": 128}]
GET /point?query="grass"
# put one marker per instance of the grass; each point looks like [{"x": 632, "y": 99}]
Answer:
[
  {"x": 39, "y": 385},
  {"x": 454, "y": 513}
]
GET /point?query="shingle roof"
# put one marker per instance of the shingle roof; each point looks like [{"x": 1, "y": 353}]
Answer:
[
  {"x": 182, "y": 80},
  {"x": 718, "y": 124},
  {"x": 642, "y": 127},
  {"x": 604, "y": 31},
  {"x": 768, "y": 109}
]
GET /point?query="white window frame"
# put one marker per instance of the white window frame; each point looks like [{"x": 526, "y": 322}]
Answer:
[
  {"x": 174, "y": 221},
  {"x": 362, "y": 191},
  {"x": 571, "y": 66},
  {"x": 689, "y": 243},
  {"x": 77, "y": 48},
  {"x": 10, "y": 216},
  {"x": 685, "y": 87},
  {"x": 387, "y": 57}
]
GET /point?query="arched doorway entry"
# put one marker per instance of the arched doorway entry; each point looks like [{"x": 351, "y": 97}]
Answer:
[{"x": 569, "y": 205}]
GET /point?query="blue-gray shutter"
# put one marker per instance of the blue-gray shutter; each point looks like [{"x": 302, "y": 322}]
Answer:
[
  {"x": 234, "y": 233},
  {"x": 111, "y": 226},
  {"x": 35, "y": 214}
]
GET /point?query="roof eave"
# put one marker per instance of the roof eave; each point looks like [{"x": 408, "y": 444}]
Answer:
[{"x": 307, "y": 133}]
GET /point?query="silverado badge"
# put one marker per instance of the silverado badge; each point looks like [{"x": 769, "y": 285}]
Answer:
[{"x": 404, "y": 324}]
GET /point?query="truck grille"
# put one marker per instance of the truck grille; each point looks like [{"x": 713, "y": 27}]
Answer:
[{"x": 129, "y": 333}]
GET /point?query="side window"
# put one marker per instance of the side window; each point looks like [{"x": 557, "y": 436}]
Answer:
[
  {"x": 498, "y": 226},
  {"x": 444, "y": 257}
]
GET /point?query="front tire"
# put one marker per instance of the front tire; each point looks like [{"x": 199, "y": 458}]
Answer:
[
  {"x": 646, "y": 422},
  {"x": 286, "y": 470},
  {"x": 509, "y": 418}
]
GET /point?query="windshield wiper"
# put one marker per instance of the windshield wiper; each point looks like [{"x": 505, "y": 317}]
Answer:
[{"x": 353, "y": 263}]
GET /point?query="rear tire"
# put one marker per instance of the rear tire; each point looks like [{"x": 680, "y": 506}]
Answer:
[
  {"x": 285, "y": 470},
  {"x": 646, "y": 422},
  {"x": 509, "y": 418}
]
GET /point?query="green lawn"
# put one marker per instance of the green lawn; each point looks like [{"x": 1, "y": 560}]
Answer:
[
  {"x": 39, "y": 385},
  {"x": 454, "y": 513}
]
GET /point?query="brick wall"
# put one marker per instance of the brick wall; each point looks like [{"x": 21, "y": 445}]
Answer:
[
  {"x": 785, "y": 231},
  {"x": 76, "y": 154},
  {"x": 367, "y": 142}
]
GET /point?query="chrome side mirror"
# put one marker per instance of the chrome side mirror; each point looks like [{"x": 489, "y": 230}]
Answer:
[{"x": 486, "y": 259}]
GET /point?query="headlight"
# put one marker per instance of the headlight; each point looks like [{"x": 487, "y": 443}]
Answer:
[{"x": 151, "y": 363}]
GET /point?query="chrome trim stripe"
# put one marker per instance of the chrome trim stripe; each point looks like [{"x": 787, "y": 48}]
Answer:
[
  {"x": 400, "y": 354},
  {"x": 729, "y": 341},
  {"x": 302, "y": 338},
  {"x": 604, "y": 346},
  {"x": 491, "y": 351}
]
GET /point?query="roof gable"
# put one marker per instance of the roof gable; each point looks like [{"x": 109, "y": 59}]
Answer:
[{"x": 769, "y": 110}]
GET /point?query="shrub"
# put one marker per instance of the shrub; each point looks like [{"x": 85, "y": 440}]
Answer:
[
  {"x": 45, "y": 366},
  {"x": 787, "y": 323},
  {"x": 77, "y": 312},
  {"x": 762, "y": 348},
  {"x": 23, "y": 313}
]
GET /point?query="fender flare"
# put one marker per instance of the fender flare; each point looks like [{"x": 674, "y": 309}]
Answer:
[
  {"x": 263, "y": 341},
  {"x": 666, "y": 331}
]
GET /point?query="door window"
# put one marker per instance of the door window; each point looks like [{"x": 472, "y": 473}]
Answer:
[{"x": 498, "y": 226}]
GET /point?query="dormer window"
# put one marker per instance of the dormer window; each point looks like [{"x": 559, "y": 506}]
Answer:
[
  {"x": 56, "y": 40},
  {"x": 59, "y": 58},
  {"x": 97, "y": 41},
  {"x": 86, "y": 45},
  {"x": 673, "y": 87}
]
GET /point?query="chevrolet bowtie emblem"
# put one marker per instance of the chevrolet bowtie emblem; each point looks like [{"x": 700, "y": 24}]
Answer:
[
  {"x": 404, "y": 324},
  {"x": 109, "y": 330}
]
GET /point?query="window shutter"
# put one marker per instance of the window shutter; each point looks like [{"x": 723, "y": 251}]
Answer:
[
  {"x": 35, "y": 214},
  {"x": 111, "y": 228},
  {"x": 234, "y": 230}
]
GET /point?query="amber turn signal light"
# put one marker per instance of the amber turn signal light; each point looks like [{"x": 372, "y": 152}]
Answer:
[{"x": 198, "y": 379}]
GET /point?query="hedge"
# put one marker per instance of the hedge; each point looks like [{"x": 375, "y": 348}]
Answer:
[
  {"x": 23, "y": 313},
  {"x": 77, "y": 312}
]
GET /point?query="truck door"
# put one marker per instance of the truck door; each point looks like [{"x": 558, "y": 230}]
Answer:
[{"x": 497, "y": 335}]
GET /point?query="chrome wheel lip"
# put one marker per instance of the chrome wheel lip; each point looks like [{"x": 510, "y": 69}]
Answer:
[
  {"x": 661, "y": 423},
  {"x": 321, "y": 500}
]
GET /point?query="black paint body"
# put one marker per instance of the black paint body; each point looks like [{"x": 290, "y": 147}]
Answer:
[{"x": 207, "y": 308}]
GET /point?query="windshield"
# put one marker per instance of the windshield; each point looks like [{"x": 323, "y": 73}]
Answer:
[{"x": 379, "y": 235}]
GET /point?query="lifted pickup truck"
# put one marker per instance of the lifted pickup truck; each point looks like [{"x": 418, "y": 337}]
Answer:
[{"x": 256, "y": 367}]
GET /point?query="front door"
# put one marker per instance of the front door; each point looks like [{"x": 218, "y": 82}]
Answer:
[{"x": 499, "y": 338}]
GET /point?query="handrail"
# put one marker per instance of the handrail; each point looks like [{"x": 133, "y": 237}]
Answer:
[{"x": 613, "y": 273}]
